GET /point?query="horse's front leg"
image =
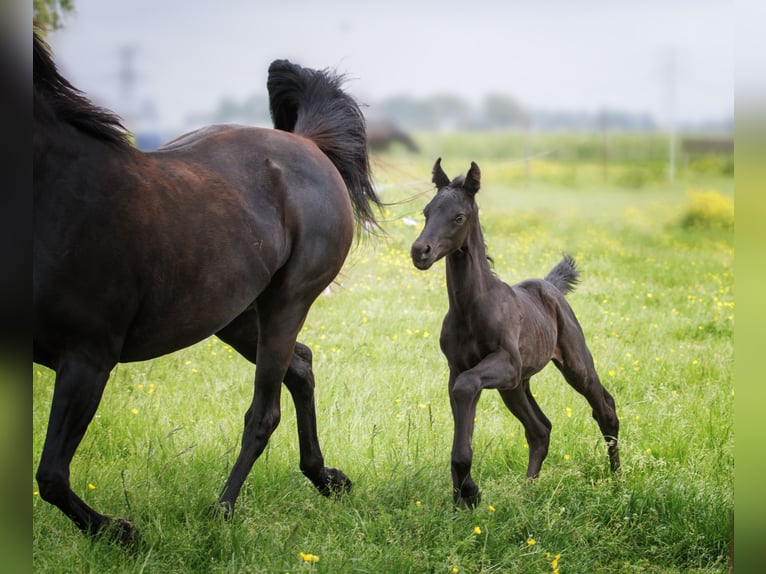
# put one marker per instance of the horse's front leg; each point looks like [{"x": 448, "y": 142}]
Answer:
[
  {"x": 300, "y": 382},
  {"x": 78, "y": 389},
  {"x": 496, "y": 370}
]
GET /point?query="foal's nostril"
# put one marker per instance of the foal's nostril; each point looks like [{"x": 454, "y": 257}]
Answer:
[{"x": 420, "y": 250}]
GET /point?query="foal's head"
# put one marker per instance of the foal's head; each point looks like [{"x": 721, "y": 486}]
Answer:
[{"x": 449, "y": 216}]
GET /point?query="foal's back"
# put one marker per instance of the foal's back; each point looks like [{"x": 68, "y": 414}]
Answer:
[{"x": 540, "y": 310}]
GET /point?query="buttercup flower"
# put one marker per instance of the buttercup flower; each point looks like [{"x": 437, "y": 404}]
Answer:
[{"x": 310, "y": 558}]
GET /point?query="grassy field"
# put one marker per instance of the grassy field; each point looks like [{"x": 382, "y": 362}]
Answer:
[{"x": 656, "y": 304}]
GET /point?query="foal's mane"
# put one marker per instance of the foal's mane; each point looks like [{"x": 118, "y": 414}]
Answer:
[
  {"x": 68, "y": 104},
  {"x": 458, "y": 182}
]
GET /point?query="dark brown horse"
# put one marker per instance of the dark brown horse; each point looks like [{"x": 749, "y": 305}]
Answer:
[
  {"x": 381, "y": 134},
  {"x": 228, "y": 230},
  {"x": 497, "y": 336}
]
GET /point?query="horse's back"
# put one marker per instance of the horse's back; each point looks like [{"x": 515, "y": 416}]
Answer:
[
  {"x": 289, "y": 188},
  {"x": 265, "y": 166},
  {"x": 186, "y": 239}
]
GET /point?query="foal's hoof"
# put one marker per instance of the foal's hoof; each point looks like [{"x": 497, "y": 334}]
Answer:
[
  {"x": 332, "y": 482},
  {"x": 120, "y": 531},
  {"x": 467, "y": 501}
]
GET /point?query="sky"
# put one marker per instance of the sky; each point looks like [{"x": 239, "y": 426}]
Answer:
[{"x": 673, "y": 60}]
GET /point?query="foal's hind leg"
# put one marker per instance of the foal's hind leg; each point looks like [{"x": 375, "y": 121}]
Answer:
[
  {"x": 537, "y": 427},
  {"x": 576, "y": 364},
  {"x": 76, "y": 396}
]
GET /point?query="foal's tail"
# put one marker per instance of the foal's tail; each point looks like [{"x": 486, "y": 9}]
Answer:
[
  {"x": 565, "y": 275},
  {"x": 311, "y": 103}
]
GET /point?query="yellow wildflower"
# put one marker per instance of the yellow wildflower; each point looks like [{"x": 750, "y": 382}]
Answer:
[
  {"x": 476, "y": 530},
  {"x": 531, "y": 542},
  {"x": 310, "y": 558}
]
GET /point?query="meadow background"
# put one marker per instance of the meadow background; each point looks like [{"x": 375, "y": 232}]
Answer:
[{"x": 657, "y": 306}]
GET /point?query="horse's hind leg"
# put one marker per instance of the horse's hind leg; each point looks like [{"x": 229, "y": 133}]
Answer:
[
  {"x": 242, "y": 334},
  {"x": 262, "y": 417},
  {"x": 278, "y": 324},
  {"x": 537, "y": 427},
  {"x": 576, "y": 364},
  {"x": 300, "y": 382},
  {"x": 76, "y": 396}
]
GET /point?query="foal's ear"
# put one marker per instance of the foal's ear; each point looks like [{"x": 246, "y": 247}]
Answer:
[
  {"x": 439, "y": 178},
  {"x": 472, "y": 179}
]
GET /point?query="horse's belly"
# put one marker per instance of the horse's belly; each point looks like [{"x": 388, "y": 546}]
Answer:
[{"x": 170, "y": 320}]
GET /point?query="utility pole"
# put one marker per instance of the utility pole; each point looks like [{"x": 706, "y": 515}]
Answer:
[
  {"x": 670, "y": 97},
  {"x": 604, "y": 144},
  {"x": 127, "y": 78}
]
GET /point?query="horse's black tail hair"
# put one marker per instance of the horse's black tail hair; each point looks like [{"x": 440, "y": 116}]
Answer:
[
  {"x": 311, "y": 103},
  {"x": 565, "y": 275}
]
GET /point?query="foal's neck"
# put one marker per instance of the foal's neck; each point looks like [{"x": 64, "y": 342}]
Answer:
[{"x": 468, "y": 270}]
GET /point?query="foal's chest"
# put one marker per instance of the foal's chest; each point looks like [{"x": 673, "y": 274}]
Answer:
[{"x": 465, "y": 340}]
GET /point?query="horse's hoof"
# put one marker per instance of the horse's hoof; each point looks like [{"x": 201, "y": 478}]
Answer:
[
  {"x": 119, "y": 530},
  {"x": 221, "y": 509},
  {"x": 332, "y": 482}
]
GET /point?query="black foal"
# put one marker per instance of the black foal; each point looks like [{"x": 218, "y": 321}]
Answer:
[{"x": 496, "y": 336}]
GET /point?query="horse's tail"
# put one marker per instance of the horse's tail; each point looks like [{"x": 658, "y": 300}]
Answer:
[
  {"x": 311, "y": 103},
  {"x": 565, "y": 275}
]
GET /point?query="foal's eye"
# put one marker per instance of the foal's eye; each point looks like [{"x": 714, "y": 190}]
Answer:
[{"x": 460, "y": 219}]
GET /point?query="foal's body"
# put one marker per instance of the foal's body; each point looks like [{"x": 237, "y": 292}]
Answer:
[{"x": 496, "y": 336}]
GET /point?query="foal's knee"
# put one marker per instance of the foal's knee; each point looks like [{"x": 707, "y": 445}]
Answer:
[{"x": 466, "y": 388}]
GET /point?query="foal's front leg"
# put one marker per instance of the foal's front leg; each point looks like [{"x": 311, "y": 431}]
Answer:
[{"x": 496, "y": 370}]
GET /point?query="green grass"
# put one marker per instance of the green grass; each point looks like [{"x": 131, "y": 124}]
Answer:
[{"x": 656, "y": 304}]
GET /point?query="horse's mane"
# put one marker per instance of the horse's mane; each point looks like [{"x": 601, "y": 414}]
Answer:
[{"x": 68, "y": 104}]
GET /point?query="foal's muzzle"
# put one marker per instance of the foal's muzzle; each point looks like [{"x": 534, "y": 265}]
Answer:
[{"x": 422, "y": 254}]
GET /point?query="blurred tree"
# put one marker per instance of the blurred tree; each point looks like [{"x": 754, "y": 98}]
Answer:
[
  {"x": 447, "y": 110},
  {"x": 503, "y": 111},
  {"x": 48, "y": 14},
  {"x": 406, "y": 111}
]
